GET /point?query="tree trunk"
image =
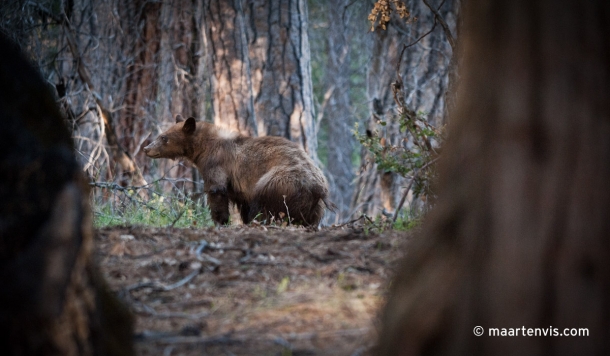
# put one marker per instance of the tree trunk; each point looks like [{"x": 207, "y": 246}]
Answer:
[
  {"x": 375, "y": 190},
  {"x": 519, "y": 234},
  {"x": 182, "y": 82},
  {"x": 227, "y": 51},
  {"x": 141, "y": 24},
  {"x": 183, "y": 60},
  {"x": 338, "y": 116},
  {"x": 53, "y": 301},
  {"x": 424, "y": 72},
  {"x": 281, "y": 71}
]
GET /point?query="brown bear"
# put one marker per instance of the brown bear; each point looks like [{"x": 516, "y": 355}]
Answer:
[{"x": 265, "y": 177}]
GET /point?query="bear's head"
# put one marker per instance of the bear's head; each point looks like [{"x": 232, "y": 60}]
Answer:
[{"x": 175, "y": 142}]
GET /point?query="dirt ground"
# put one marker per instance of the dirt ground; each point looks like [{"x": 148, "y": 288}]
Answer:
[{"x": 250, "y": 290}]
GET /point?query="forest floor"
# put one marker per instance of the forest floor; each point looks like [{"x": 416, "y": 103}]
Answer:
[{"x": 250, "y": 290}]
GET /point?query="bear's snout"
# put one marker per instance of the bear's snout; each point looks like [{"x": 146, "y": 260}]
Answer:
[{"x": 150, "y": 150}]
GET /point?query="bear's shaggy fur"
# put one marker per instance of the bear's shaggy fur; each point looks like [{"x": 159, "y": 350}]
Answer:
[{"x": 265, "y": 176}]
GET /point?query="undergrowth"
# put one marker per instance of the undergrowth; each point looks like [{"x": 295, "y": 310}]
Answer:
[{"x": 160, "y": 211}]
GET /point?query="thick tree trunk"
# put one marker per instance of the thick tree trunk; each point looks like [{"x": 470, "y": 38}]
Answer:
[
  {"x": 519, "y": 234},
  {"x": 141, "y": 24},
  {"x": 424, "y": 72},
  {"x": 53, "y": 300},
  {"x": 182, "y": 60},
  {"x": 338, "y": 114},
  {"x": 227, "y": 50},
  {"x": 281, "y": 71}
]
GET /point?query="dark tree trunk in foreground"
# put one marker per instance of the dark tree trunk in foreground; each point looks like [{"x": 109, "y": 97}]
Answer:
[
  {"x": 281, "y": 71},
  {"x": 519, "y": 234},
  {"x": 53, "y": 301},
  {"x": 227, "y": 49}
]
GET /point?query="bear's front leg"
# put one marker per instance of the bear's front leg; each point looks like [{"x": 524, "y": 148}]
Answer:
[{"x": 219, "y": 204}]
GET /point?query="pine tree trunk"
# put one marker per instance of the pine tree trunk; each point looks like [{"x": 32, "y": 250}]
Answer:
[
  {"x": 227, "y": 50},
  {"x": 338, "y": 110},
  {"x": 519, "y": 234},
  {"x": 281, "y": 71},
  {"x": 141, "y": 22},
  {"x": 182, "y": 81}
]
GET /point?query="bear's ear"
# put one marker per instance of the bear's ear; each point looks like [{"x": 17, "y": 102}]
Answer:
[
  {"x": 179, "y": 118},
  {"x": 189, "y": 126}
]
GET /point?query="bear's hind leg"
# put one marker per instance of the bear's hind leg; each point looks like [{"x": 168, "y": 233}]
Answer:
[{"x": 244, "y": 212}]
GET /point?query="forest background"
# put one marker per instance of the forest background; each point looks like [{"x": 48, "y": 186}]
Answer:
[{"x": 367, "y": 103}]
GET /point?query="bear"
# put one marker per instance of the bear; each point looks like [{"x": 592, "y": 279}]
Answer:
[{"x": 268, "y": 178}]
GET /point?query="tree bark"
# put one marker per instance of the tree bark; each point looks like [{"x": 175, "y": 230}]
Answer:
[
  {"x": 281, "y": 71},
  {"x": 227, "y": 50},
  {"x": 519, "y": 233},
  {"x": 53, "y": 301},
  {"x": 424, "y": 72},
  {"x": 141, "y": 24},
  {"x": 338, "y": 114}
]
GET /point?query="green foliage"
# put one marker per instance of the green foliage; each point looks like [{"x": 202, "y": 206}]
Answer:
[
  {"x": 408, "y": 221},
  {"x": 159, "y": 211},
  {"x": 413, "y": 155}
]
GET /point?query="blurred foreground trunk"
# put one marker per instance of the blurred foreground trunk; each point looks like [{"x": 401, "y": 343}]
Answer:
[
  {"x": 519, "y": 234},
  {"x": 53, "y": 301}
]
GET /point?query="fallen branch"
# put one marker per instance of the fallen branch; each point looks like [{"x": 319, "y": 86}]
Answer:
[
  {"x": 161, "y": 286},
  {"x": 352, "y": 221},
  {"x": 171, "y": 315}
]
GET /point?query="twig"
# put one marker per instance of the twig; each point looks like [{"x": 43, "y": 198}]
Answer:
[
  {"x": 161, "y": 286},
  {"x": 287, "y": 211},
  {"x": 352, "y": 221},
  {"x": 404, "y": 196},
  {"x": 372, "y": 222},
  {"x": 418, "y": 39},
  {"x": 405, "y": 46},
  {"x": 440, "y": 19},
  {"x": 148, "y": 310},
  {"x": 203, "y": 244},
  {"x": 178, "y": 218}
]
